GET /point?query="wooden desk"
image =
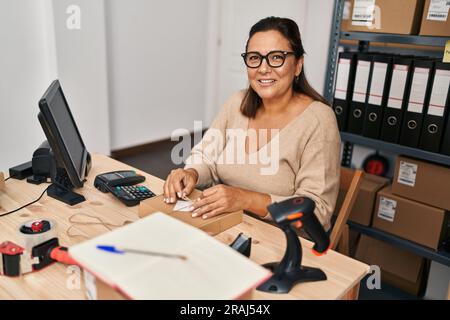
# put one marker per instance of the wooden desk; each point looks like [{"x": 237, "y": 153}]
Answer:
[{"x": 61, "y": 282}]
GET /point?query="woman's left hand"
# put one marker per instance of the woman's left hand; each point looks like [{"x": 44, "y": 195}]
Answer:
[{"x": 219, "y": 199}]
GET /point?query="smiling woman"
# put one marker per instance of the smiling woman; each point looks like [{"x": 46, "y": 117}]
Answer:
[{"x": 291, "y": 124}]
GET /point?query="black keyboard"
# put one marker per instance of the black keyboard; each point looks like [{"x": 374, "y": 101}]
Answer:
[{"x": 131, "y": 195}]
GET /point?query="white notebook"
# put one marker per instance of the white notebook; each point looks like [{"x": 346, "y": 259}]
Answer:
[{"x": 212, "y": 269}]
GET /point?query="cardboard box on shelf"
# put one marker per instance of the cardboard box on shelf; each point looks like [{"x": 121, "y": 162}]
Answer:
[
  {"x": 212, "y": 225},
  {"x": 363, "y": 206},
  {"x": 346, "y": 15},
  {"x": 386, "y": 16},
  {"x": 422, "y": 181},
  {"x": 409, "y": 219},
  {"x": 438, "y": 282},
  {"x": 399, "y": 268},
  {"x": 435, "y": 19}
]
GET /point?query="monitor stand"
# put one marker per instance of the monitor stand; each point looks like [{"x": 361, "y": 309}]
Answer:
[{"x": 61, "y": 189}]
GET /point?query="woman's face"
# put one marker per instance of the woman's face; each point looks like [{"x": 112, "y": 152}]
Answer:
[{"x": 269, "y": 82}]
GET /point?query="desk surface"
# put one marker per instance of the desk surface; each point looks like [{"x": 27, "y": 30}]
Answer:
[{"x": 62, "y": 282}]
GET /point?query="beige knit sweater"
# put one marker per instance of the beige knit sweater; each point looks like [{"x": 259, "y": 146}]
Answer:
[{"x": 303, "y": 158}]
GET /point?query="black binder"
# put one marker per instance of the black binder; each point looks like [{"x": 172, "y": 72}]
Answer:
[
  {"x": 437, "y": 111},
  {"x": 417, "y": 100},
  {"x": 344, "y": 87},
  {"x": 359, "y": 96},
  {"x": 393, "y": 112},
  {"x": 381, "y": 72}
]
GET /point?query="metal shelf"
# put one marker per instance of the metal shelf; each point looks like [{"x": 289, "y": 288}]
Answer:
[
  {"x": 395, "y": 38},
  {"x": 364, "y": 39},
  {"x": 396, "y": 148},
  {"x": 438, "y": 256}
]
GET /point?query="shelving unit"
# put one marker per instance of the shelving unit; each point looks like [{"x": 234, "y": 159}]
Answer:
[
  {"x": 395, "y": 148},
  {"x": 438, "y": 256},
  {"x": 394, "y": 38},
  {"x": 363, "y": 45}
]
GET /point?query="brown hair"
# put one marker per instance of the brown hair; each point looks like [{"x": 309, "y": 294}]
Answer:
[{"x": 289, "y": 29}]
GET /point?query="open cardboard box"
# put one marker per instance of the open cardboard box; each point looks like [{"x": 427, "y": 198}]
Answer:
[
  {"x": 365, "y": 201},
  {"x": 213, "y": 226}
]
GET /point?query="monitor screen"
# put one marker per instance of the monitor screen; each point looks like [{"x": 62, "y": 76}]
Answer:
[{"x": 63, "y": 134}]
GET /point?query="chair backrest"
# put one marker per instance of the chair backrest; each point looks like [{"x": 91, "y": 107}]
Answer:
[
  {"x": 2, "y": 181},
  {"x": 351, "y": 181}
]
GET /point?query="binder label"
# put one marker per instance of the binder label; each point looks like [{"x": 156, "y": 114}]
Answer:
[
  {"x": 377, "y": 84},
  {"x": 438, "y": 10},
  {"x": 398, "y": 84},
  {"x": 342, "y": 79},
  {"x": 418, "y": 89},
  {"x": 407, "y": 173},
  {"x": 361, "y": 81},
  {"x": 439, "y": 92},
  {"x": 386, "y": 209}
]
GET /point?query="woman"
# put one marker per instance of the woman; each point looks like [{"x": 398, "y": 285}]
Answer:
[{"x": 303, "y": 136}]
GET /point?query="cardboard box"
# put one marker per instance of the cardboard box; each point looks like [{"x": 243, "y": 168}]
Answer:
[
  {"x": 399, "y": 16},
  {"x": 212, "y": 225},
  {"x": 435, "y": 19},
  {"x": 363, "y": 206},
  {"x": 346, "y": 15},
  {"x": 438, "y": 282},
  {"x": 399, "y": 268},
  {"x": 409, "y": 219},
  {"x": 422, "y": 181}
]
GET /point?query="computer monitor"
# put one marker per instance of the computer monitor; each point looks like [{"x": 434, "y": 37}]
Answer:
[{"x": 68, "y": 149}]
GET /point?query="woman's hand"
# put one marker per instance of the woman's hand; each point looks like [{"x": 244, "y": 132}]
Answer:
[
  {"x": 219, "y": 199},
  {"x": 179, "y": 182}
]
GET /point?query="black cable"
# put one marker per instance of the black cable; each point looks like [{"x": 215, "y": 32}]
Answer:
[
  {"x": 24, "y": 206},
  {"x": 7, "y": 179}
]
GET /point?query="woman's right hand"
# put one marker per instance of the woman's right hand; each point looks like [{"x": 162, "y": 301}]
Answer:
[{"x": 180, "y": 182}]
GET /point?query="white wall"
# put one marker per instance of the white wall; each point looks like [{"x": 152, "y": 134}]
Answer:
[
  {"x": 133, "y": 73},
  {"x": 82, "y": 70},
  {"x": 38, "y": 49},
  {"x": 27, "y": 67},
  {"x": 157, "y": 58},
  {"x": 316, "y": 39}
]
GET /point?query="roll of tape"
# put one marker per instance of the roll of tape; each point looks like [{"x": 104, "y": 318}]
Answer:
[{"x": 35, "y": 232}]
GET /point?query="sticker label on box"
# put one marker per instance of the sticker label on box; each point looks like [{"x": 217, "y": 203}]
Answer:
[
  {"x": 438, "y": 10},
  {"x": 386, "y": 209},
  {"x": 347, "y": 9},
  {"x": 407, "y": 173},
  {"x": 363, "y": 13}
]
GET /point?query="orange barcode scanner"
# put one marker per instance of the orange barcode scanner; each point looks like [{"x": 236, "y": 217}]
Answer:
[{"x": 293, "y": 213}]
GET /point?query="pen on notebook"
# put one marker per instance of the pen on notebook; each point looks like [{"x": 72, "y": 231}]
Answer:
[{"x": 113, "y": 249}]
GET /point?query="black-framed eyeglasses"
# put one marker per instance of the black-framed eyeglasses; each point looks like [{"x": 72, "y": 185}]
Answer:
[{"x": 275, "y": 59}]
